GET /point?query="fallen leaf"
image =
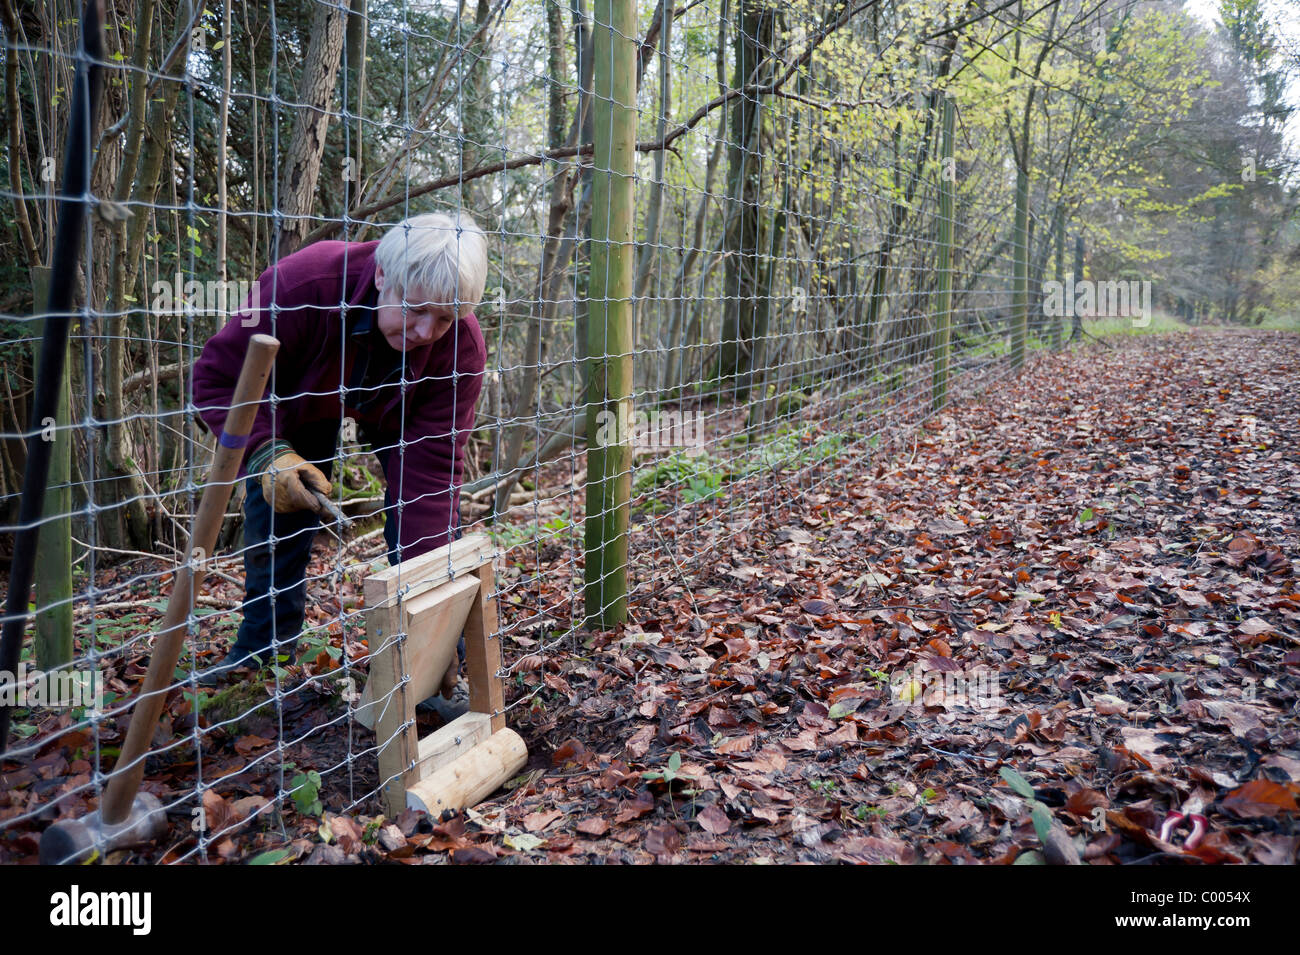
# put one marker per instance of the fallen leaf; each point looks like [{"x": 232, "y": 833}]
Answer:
[
  {"x": 537, "y": 821},
  {"x": 663, "y": 839},
  {"x": 1144, "y": 743},
  {"x": 248, "y": 745},
  {"x": 1107, "y": 705},
  {"x": 523, "y": 841},
  {"x": 714, "y": 819},
  {"x": 1260, "y": 798}
]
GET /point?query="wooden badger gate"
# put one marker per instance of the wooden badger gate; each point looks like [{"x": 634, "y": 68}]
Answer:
[{"x": 412, "y": 633}]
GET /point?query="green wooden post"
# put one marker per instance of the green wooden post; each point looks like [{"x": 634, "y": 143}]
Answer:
[
  {"x": 609, "y": 333},
  {"x": 1058, "y": 319},
  {"x": 943, "y": 295},
  {"x": 1076, "y": 322},
  {"x": 54, "y": 556},
  {"x": 1020, "y": 283}
]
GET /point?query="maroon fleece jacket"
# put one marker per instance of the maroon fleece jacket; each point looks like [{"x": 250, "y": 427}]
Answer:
[{"x": 298, "y": 300}]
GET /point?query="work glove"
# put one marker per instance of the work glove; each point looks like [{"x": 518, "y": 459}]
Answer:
[{"x": 290, "y": 480}]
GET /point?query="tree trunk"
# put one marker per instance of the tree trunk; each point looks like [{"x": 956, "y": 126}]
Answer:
[
  {"x": 120, "y": 491},
  {"x": 302, "y": 160},
  {"x": 555, "y": 259},
  {"x": 741, "y": 237},
  {"x": 580, "y": 233},
  {"x": 223, "y": 132},
  {"x": 357, "y": 33},
  {"x": 654, "y": 213},
  {"x": 862, "y": 350},
  {"x": 1020, "y": 280},
  {"x": 1059, "y": 230},
  {"x": 675, "y": 365},
  {"x": 477, "y": 92}
]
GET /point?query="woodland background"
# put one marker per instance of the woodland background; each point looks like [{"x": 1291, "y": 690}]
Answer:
[{"x": 787, "y": 228}]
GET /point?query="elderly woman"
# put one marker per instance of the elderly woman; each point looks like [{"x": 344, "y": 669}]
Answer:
[{"x": 383, "y": 333}]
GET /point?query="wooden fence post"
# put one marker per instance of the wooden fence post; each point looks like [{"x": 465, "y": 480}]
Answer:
[
  {"x": 609, "y": 335},
  {"x": 53, "y": 643},
  {"x": 1020, "y": 281},
  {"x": 943, "y": 295}
]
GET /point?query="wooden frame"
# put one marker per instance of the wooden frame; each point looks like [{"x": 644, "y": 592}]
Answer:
[{"x": 415, "y": 612}]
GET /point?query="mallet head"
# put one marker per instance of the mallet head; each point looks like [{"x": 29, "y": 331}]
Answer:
[{"x": 75, "y": 840}]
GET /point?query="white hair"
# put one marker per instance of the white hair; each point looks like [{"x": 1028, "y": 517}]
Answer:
[{"x": 443, "y": 255}]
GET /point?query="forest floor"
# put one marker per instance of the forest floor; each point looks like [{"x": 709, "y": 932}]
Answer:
[{"x": 1066, "y": 607}]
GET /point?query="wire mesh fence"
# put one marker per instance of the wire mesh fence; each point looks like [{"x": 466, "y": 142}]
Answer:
[{"x": 811, "y": 262}]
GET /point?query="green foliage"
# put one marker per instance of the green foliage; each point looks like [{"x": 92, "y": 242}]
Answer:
[
  {"x": 698, "y": 476},
  {"x": 669, "y": 772},
  {"x": 15, "y": 344},
  {"x": 702, "y": 487},
  {"x": 235, "y": 703},
  {"x": 305, "y": 789},
  {"x": 559, "y": 524},
  {"x": 1018, "y": 783},
  {"x": 271, "y": 857},
  {"x": 792, "y": 448},
  {"x": 1039, "y": 812},
  {"x": 113, "y": 632},
  {"x": 1161, "y": 324},
  {"x": 507, "y": 537},
  {"x": 316, "y": 642}
]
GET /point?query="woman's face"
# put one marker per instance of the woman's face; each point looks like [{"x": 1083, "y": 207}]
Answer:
[{"x": 418, "y": 323}]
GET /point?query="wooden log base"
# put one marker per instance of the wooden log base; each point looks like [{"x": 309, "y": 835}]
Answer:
[
  {"x": 443, "y": 747},
  {"x": 471, "y": 777}
]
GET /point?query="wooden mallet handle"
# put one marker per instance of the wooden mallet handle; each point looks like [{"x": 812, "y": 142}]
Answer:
[{"x": 125, "y": 780}]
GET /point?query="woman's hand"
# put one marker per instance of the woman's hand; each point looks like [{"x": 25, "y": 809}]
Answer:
[{"x": 289, "y": 484}]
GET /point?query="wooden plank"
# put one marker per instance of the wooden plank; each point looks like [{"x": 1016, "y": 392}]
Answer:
[
  {"x": 455, "y": 739},
  {"x": 367, "y": 710},
  {"x": 434, "y": 621},
  {"x": 397, "y": 746},
  {"x": 423, "y": 573},
  {"x": 483, "y": 653}
]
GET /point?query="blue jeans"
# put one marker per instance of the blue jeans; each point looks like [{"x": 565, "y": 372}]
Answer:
[{"x": 275, "y": 620}]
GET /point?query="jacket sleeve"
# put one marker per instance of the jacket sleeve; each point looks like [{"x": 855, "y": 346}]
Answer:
[
  {"x": 425, "y": 476},
  {"x": 275, "y": 307}
]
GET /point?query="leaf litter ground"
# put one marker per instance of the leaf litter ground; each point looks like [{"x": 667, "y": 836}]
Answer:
[{"x": 1051, "y": 615}]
